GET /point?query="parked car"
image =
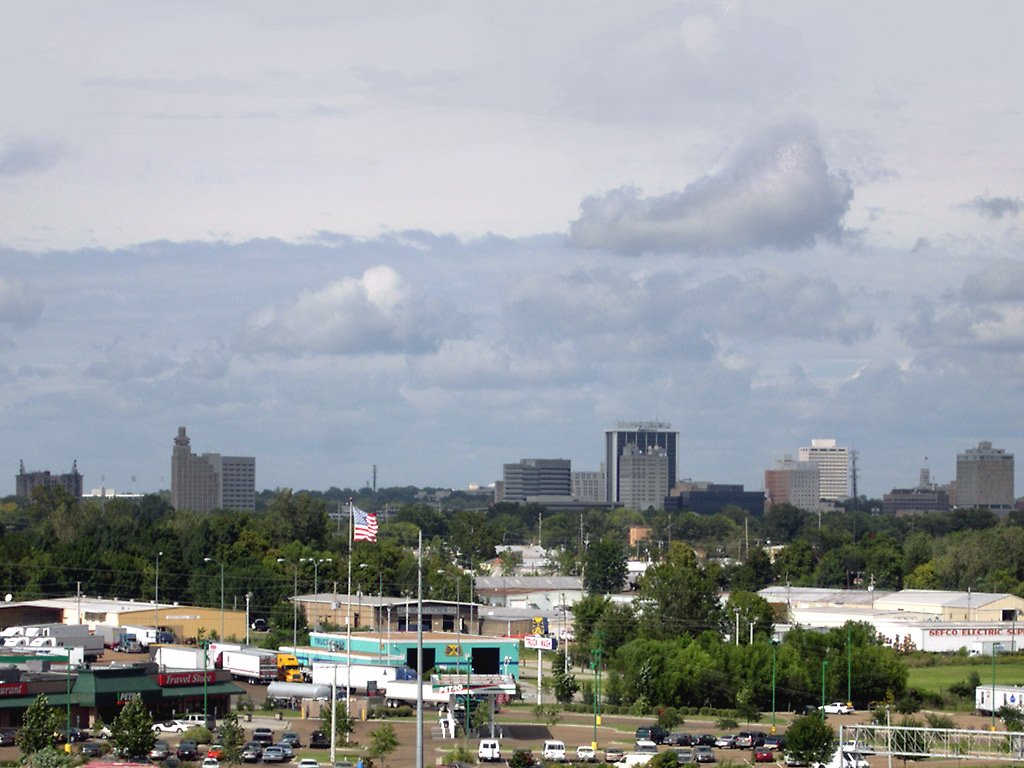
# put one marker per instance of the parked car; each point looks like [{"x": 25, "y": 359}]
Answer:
[
  {"x": 319, "y": 740},
  {"x": 554, "y": 751},
  {"x": 646, "y": 746},
  {"x": 171, "y": 726},
  {"x": 702, "y": 753},
  {"x": 252, "y": 752},
  {"x": 8, "y": 737},
  {"x": 684, "y": 756},
  {"x": 104, "y": 732},
  {"x": 585, "y": 754},
  {"x": 284, "y": 746},
  {"x": 838, "y": 708},
  {"x": 188, "y": 750},
  {"x": 773, "y": 743},
  {"x": 654, "y": 733},
  {"x": 274, "y": 754},
  {"x": 92, "y": 749},
  {"x": 216, "y": 751},
  {"x": 211, "y": 762},
  {"x": 263, "y": 735},
  {"x": 853, "y": 759},
  {"x": 728, "y": 741},
  {"x": 292, "y": 738},
  {"x": 762, "y": 755},
  {"x": 793, "y": 761},
  {"x": 612, "y": 754},
  {"x": 750, "y": 739},
  {"x": 680, "y": 739},
  {"x": 488, "y": 751},
  {"x": 308, "y": 762},
  {"x": 160, "y": 751},
  {"x": 706, "y": 740}
]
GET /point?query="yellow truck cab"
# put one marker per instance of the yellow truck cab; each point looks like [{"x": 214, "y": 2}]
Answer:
[{"x": 288, "y": 668}]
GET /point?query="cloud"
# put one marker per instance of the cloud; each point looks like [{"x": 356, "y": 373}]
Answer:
[
  {"x": 23, "y": 156},
  {"x": 986, "y": 314},
  {"x": 19, "y": 305},
  {"x": 373, "y": 314},
  {"x": 995, "y": 207},
  {"x": 777, "y": 193}
]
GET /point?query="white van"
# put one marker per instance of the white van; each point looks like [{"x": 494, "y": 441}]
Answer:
[
  {"x": 554, "y": 751},
  {"x": 489, "y": 751},
  {"x": 635, "y": 758}
]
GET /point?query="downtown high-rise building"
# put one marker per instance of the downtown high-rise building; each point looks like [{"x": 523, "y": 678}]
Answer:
[
  {"x": 984, "y": 478},
  {"x": 639, "y": 436},
  {"x": 26, "y": 482},
  {"x": 794, "y": 482},
  {"x": 536, "y": 477},
  {"x": 643, "y": 476},
  {"x": 834, "y": 467},
  {"x": 210, "y": 481}
]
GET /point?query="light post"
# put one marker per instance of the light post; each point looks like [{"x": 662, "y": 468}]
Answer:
[
  {"x": 824, "y": 666},
  {"x": 995, "y": 647},
  {"x": 775, "y": 646},
  {"x": 295, "y": 602},
  {"x": 849, "y": 667},
  {"x": 316, "y": 579},
  {"x": 156, "y": 594},
  {"x": 248, "y": 623},
  {"x": 218, "y": 562}
]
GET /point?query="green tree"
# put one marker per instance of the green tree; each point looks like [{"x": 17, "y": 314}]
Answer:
[
  {"x": 678, "y": 596},
  {"x": 383, "y": 742},
  {"x": 41, "y": 720},
  {"x": 604, "y": 570},
  {"x": 751, "y": 609},
  {"x": 231, "y": 737},
  {"x": 565, "y": 685},
  {"x": 810, "y": 740},
  {"x": 132, "y": 730},
  {"x": 343, "y": 723}
]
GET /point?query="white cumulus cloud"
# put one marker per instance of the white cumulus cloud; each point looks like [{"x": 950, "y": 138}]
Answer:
[
  {"x": 777, "y": 193},
  {"x": 376, "y": 313}
]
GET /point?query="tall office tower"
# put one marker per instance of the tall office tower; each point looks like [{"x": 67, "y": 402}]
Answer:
[
  {"x": 643, "y": 475},
  {"x": 210, "y": 481},
  {"x": 26, "y": 482},
  {"x": 589, "y": 487},
  {"x": 834, "y": 464},
  {"x": 794, "y": 482},
  {"x": 536, "y": 477},
  {"x": 644, "y": 435},
  {"x": 984, "y": 478}
]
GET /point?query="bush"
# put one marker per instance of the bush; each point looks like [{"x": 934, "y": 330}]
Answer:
[
  {"x": 727, "y": 723},
  {"x": 200, "y": 734}
]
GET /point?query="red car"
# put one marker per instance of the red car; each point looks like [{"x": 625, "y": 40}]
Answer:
[
  {"x": 216, "y": 751},
  {"x": 763, "y": 755}
]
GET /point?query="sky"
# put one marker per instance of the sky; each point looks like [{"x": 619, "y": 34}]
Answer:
[{"x": 438, "y": 237}]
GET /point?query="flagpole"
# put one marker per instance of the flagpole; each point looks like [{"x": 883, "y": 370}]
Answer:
[
  {"x": 419, "y": 653},
  {"x": 348, "y": 614}
]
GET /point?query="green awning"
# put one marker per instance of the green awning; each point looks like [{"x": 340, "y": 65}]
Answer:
[
  {"x": 93, "y": 684},
  {"x": 213, "y": 689}
]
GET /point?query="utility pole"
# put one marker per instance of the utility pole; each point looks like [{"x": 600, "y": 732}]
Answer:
[{"x": 596, "y": 655}]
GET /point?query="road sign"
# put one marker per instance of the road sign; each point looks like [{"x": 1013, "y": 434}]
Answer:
[{"x": 540, "y": 642}]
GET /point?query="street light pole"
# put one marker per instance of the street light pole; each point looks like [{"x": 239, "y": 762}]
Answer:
[
  {"x": 824, "y": 666},
  {"x": 316, "y": 579},
  {"x": 156, "y": 594},
  {"x": 295, "y": 602},
  {"x": 775, "y": 646},
  {"x": 995, "y": 646},
  {"x": 218, "y": 562}
]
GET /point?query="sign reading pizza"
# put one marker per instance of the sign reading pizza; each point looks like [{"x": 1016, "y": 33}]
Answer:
[{"x": 168, "y": 679}]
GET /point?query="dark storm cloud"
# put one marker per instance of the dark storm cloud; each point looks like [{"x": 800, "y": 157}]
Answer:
[
  {"x": 777, "y": 193},
  {"x": 23, "y": 156},
  {"x": 996, "y": 207}
]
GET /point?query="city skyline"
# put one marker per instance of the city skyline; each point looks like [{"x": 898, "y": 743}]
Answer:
[{"x": 439, "y": 238}]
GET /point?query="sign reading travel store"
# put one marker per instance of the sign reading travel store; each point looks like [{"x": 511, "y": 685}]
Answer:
[{"x": 186, "y": 678}]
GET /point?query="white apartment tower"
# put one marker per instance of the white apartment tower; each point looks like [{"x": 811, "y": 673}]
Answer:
[
  {"x": 833, "y": 466},
  {"x": 643, "y": 476}
]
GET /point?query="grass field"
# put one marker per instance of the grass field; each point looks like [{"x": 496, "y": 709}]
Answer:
[{"x": 938, "y": 678}]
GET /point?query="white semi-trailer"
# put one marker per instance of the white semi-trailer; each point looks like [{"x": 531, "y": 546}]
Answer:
[
  {"x": 364, "y": 677},
  {"x": 256, "y": 666},
  {"x": 401, "y": 692},
  {"x": 180, "y": 657}
]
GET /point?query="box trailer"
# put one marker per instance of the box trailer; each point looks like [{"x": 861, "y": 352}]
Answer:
[
  {"x": 256, "y": 666},
  {"x": 180, "y": 657},
  {"x": 365, "y": 678},
  {"x": 398, "y": 693},
  {"x": 1005, "y": 696}
]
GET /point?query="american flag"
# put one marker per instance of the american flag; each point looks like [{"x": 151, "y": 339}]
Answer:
[{"x": 364, "y": 525}]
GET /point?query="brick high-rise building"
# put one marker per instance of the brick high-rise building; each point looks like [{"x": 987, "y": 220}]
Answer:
[
  {"x": 984, "y": 478},
  {"x": 210, "y": 481},
  {"x": 26, "y": 482}
]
